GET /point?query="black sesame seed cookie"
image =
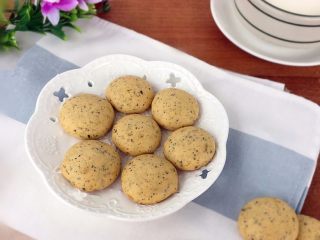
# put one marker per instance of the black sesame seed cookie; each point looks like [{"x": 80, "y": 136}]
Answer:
[
  {"x": 136, "y": 134},
  {"x": 174, "y": 108},
  {"x": 268, "y": 219},
  {"x": 149, "y": 179},
  {"x": 91, "y": 165},
  {"x": 86, "y": 116},
  {"x": 189, "y": 148},
  {"x": 130, "y": 94},
  {"x": 309, "y": 228}
]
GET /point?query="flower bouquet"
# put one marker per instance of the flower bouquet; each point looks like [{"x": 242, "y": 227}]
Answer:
[{"x": 43, "y": 16}]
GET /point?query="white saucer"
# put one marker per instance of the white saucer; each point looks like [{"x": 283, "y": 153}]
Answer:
[{"x": 246, "y": 37}]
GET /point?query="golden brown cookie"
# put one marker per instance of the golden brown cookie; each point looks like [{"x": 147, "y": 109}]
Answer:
[
  {"x": 136, "y": 134},
  {"x": 268, "y": 219},
  {"x": 130, "y": 94},
  {"x": 309, "y": 228},
  {"x": 149, "y": 179},
  {"x": 86, "y": 116},
  {"x": 189, "y": 148},
  {"x": 174, "y": 108},
  {"x": 91, "y": 165}
]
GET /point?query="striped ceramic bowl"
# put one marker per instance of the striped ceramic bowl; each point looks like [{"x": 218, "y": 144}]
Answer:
[{"x": 290, "y": 21}]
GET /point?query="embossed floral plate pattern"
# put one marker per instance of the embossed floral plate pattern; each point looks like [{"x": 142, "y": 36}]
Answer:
[{"x": 47, "y": 143}]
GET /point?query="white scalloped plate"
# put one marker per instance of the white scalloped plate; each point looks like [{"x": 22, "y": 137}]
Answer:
[{"x": 46, "y": 142}]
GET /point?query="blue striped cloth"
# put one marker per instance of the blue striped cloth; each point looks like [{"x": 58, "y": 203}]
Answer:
[{"x": 259, "y": 162}]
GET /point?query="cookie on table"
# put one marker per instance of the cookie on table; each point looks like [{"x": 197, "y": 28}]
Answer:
[
  {"x": 91, "y": 165},
  {"x": 174, "y": 108},
  {"x": 309, "y": 228},
  {"x": 86, "y": 116},
  {"x": 130, "y": 94},
  {"x": 136, "y": 134},
  {"x": 268, "y": 219},
  {"x": 149, "y": 179},
  {"x": 189, "y": 148}
]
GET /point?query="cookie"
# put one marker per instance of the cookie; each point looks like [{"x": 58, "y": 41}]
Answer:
[
  {"x": 86, "y": 116},
  {"x": 174, "y": 108},
  {"x": 268, "y": 219},
  {"x": 91, "y": 165},
  {"x": 130, "y": 94},
  {"x": 149, "y": 179},
  {"x": 189, "y": 148},
  {"x": 136, "y": 134},
  {"x": 309, "y": 228}
]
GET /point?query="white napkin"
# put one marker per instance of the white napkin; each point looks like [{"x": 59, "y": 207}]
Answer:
[{"x": 27, "y": 204}]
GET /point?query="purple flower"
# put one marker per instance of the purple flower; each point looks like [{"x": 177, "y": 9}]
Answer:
[
  {"x": 83, "y": 3},
  {"x": 51, "y": 8}
]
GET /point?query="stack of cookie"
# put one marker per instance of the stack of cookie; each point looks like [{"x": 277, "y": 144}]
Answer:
[
  {"x": 273, "y": 219},
  {"x": 92, "y": 165}
]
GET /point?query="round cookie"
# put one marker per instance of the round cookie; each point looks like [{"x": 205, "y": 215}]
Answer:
[
  {"x": 91, "y": 165},
  {"x": 149, "y": 179},
  {"x": 189, "y": 148},
  {"x": 309, "y": 228},
  {"x": 136, "y": 134},
  {"x": 86, "y": 116},
  {"x": 268, "y": 219},
  {"x": 130, "y": 94},
  {"x": 174, "y": 108}
]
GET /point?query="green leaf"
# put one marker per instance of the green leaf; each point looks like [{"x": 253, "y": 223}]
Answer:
[
  {"x": 16, "y": 5},
  {"x": 106, "y": 7},
  {"x": 70, "y": 25},
  {"x": 7, "y": 39},
  {"x": 57, "y": 31},
  {"x": 23, "y": 18},
  {"x": 3, "y": 20}
]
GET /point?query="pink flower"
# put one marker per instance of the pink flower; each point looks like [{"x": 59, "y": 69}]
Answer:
[
  {"x": 83, "y": 3},
  {"x": 51, "y": 8}
]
